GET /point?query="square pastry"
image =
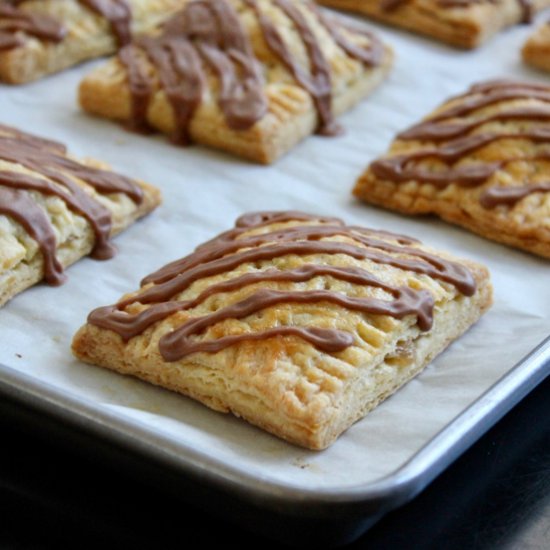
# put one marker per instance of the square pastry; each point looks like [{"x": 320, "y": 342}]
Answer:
[
  {"x": 536, "y": 51},
  {"x": 481, "y": 160},
  {"x": 41, "y": 37},
  {"x": 55, "y": 209},
  {"x": 462, "y": 23},
  {"x": 252, "y": 77},
  {"x": 297, "y": 323}
]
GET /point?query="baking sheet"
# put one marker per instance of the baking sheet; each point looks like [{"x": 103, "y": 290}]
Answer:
[{"x": 204, "y": 192}]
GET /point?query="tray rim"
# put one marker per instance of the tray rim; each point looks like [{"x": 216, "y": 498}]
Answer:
[{"x": 378, "y": 496}]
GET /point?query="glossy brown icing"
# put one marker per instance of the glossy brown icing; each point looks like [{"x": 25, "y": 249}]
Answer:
[
  {"x": 119, "y": 15},
  {"x": 455, "y": 141},
  {"x": 235, "y": 248},
  {"x": 210, "y": 34},
  {"x": 14, "y": 20},
  {"x": 495, "y": 196},
  {"x": 21, "y": 207},
  {"x": 54, "y": 176}
]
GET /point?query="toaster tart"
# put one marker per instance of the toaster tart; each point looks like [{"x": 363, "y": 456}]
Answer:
[
  {"x": 297, "y": 323},
  {"x": 252, "y": 77},
  {"x": 481, "y": 160},
  {"x": 55, "y": 209}
]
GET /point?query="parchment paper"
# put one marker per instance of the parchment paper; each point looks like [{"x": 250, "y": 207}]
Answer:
[{"x": 204, "y": 192}]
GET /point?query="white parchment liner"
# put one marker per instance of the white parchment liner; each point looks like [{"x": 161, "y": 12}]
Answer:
[{"x": 204, "y": 192}]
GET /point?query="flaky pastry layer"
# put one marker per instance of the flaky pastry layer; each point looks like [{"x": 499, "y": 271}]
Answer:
[
  {"x": 481, "y": 160},
  {"x": 55, "y": 210},
  {"x": 297, "y": 323},
  {"x": 461, "y": 23},
  {"x": 291, "y": 109}
]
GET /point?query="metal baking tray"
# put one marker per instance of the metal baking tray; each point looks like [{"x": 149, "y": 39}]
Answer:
[
  {"x": 383, "y": 460},
  {"x": 344, "y": 514}
]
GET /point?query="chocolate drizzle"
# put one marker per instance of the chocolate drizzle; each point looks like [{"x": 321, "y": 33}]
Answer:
[
  {"x": 236, "y": 247},
  {"x": 209, "y": 33},
  {"x": 119, "y": 15},
  {"x": 14, "y": 20},
  {"x": 55, "y": 176},
  {"x": 495, "y": 196},
  {"x": 20, "y": 206},
  {"x": 455, "y": 141}
]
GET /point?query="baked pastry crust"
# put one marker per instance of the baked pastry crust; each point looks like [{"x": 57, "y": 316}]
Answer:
[
  {"x": 536, "y": 51},
  {"x": 481, "y": 160},
  {"x": 323, "y": 70},
  {"x": 461, "y": 23},
  {"x": 296, "y": 323},
  {"x": 55, "y": 209},
  {"x": 84, "y": 34}
]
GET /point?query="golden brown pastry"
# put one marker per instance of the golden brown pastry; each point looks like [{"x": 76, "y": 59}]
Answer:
[
  {"x": 252, "y": 77},
  {"x": 481, "y": 160},
  {"x": 462, "y": 23},
  {"x": 536, "y": 51},
  {"x": 295, "y": 322},
  {"x": 55, "y": 209},
  {"x": 41, "y": 37}
]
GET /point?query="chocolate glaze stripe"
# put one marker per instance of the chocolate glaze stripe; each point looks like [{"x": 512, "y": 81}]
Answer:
[
  {"x": 213, "y": 32},
  {"x": 254, "y": 220},
  {"x": 318, "y": 83},
  {"x": 119, "y": 15},
  {"x": 456, "y": 149},
  {"x": 327, "y": 340},
  {"x": 394, "y": 169},
  {"x": 141, "y": 86},
  {"x": 9, "y": 41},
  {"x": 54, "y": 176},
  {"x": 473, "y": 102},
  {"x": 180, "y": 75},
  {"x": 32, "y": 140},
  {"x": 495, "y": 196},
  {"x": 465, "y": 176},
  {"x": 19, "y": 206},
  {"x": 215, "y": 259},
  {"x": 257, "y": 220},
  {"x": 177, "y": 344},
  {"x": 406, "y": 302},
  {"x": 37, "y": 25},
  {"x": 439, "y": 131}
]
